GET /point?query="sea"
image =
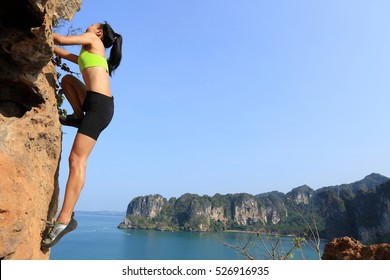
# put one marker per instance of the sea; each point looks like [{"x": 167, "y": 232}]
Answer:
[{"x": 98, "y": 237}]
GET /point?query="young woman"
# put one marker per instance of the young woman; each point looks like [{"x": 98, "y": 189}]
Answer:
[{"x": 93, "y": 107}]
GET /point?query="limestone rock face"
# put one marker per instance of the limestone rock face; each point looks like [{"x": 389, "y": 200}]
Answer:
[
  {"x": 346, "y": 248},
  {"x": 246, "y": 210},
  {"x": 360, "y": 210},
  {"x": 147, "y": 206},
  {"x": 30, "y": 133},
  {"x": 217, "y": 214},
  {"x": 66, "y": 9},
  {"x": 301, "y": 195}
]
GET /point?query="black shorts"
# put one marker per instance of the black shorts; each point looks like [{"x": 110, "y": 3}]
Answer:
[{"x": 99, "y": 110}]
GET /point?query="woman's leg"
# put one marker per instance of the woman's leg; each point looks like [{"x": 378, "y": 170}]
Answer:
[
  {"x": 75, "y": 92},
  {"x": 82, "y": 147}
]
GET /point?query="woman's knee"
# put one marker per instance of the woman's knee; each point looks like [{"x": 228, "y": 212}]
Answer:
[
  {"x": 77, "y": 162},
  {"x": 69, "y": 80}
]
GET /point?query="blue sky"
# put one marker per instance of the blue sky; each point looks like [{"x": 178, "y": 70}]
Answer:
[{"x": 223, "y": 96}]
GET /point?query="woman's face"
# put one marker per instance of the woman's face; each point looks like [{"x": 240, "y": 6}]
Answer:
[{"x": 93, "y": 28}]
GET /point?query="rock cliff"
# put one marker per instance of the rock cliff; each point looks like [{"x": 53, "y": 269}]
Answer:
[
  {"x": 360, "y": 210},
  {"x": 201, "y": 213},
  {"x": 346, "y": 248},
  {"x": 30, "y": 133}
]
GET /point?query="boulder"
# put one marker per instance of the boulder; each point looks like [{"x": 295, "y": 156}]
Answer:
[{"x": 347, "y": 248}]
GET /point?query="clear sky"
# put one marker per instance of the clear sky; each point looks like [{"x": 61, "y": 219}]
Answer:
[{"x": 228, "y": 96}]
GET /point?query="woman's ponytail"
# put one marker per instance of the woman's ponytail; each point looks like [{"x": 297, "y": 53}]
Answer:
[{"x": 113, "y": 40}]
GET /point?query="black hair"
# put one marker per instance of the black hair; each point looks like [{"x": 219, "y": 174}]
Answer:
[{"x": 113, "y": 40}]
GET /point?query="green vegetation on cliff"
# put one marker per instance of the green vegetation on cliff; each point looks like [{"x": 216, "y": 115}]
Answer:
[{"x": 360, "y": 210}]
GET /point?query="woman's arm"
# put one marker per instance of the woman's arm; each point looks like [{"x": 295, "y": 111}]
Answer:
[
  {"x": 65, "y": 54},
  {"x": 83, "y": 39}
]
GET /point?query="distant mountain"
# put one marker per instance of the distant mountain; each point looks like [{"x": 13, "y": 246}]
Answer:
[
  {"x": 369, "y": 182},
  {"x": 360, "y": 209},
  {"x": 104, "y": 213}
]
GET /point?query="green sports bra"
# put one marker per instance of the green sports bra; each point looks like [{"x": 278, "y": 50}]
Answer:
[{"x": 87, "y": 59}]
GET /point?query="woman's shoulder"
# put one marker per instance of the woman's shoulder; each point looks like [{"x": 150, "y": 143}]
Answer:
[{"x": 93, "y": 43}]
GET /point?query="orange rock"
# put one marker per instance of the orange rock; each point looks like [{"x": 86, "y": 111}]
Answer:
[
  {"x": 347, "y": 248},
  {"x": 30, "y": 133}
]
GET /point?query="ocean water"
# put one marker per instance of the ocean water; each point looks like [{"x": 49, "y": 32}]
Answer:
[{"x": 98, "y": 238}]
